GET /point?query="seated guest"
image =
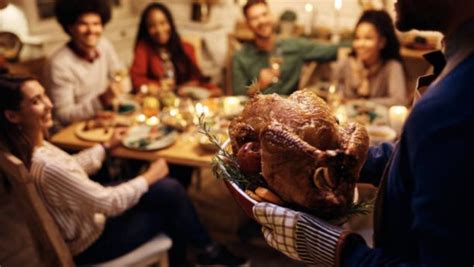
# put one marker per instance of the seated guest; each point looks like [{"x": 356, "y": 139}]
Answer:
[
  {"x": 162, "y": 59},
  {"x": 252, "y": 62},
  {"x": 99, "y": 223},
  {"x": 79, "y": 76},
  {"x": 374, "y": 68}
]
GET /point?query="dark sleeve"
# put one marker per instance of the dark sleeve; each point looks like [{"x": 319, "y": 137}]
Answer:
[
  {"x": 374, "y": 166},
  {"x": 318, "y": 52},
  {"x": 239, "y": 78},
  {"x": 441, "y": 203}
]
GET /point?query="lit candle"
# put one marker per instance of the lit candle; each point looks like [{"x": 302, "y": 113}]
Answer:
[
  {"x": 309, "y": 8},
  {"x": 201, "y": 110},
  {"x": 341, "y": 115},
  {"x": 140, "y": 118},
  {"x": 231, "y": 106},
  {"x": 336, "y": 37},
  {"x": 397, "y": 116},
  {"x": 152, "y": 121}
]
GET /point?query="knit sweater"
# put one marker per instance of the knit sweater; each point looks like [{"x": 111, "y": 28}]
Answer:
[
  {"x": 74, "y": 84},
  {"x": 79, "y": 205}
]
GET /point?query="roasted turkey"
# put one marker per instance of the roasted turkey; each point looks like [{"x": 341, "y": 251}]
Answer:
[{"x": 306, "y": 157}]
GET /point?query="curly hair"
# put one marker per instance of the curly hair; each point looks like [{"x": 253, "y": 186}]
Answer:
[
  {"x": 68, "y": 11},
  {"x": 11, "y": 135},
  {"x": 182, "y": 63},
  {"x": 383, "y": 23}
]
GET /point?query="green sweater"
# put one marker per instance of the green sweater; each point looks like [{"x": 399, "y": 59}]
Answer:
[{"x": 247, "y": 63}]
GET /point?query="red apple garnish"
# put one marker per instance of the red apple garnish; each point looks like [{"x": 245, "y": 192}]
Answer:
[{"x": 249, "y": 158}]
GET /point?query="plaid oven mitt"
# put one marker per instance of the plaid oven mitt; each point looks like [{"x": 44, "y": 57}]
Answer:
[{"x": 301, "y": 236}]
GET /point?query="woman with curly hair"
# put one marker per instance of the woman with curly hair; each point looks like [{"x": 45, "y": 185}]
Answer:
[{"x": 374, "y": 68}]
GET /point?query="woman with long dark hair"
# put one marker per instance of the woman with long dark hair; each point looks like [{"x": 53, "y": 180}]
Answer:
[
  {"x": 99, "y": 223},
  {"x": 162, "y": 59},
  {"x": 374, "y": 68}
]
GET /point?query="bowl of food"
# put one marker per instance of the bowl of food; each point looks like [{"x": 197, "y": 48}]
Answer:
[
  {"x": 247, "y": 196},
  {"x": 294, "y": 148}
]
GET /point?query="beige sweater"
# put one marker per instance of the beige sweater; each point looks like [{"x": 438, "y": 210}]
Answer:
[
  {"x": 79, "y": 205},
  {"x": 387, "y": 86},
  {"x": 74, "y": 84}
]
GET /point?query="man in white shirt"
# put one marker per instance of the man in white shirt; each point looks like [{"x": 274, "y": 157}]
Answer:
[{"x": 80, "y": 76}]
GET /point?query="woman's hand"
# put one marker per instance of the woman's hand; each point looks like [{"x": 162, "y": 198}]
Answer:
[
  {"x": 157, "y": 171},
  {"x": 117, "y": 137}
]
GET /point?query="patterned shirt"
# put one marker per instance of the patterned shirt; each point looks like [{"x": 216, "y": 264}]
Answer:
[{"x": 79, "y": 205}]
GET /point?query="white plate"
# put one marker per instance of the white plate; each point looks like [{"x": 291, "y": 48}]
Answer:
[
  {"x": 379, "y": 134},
  {"x": 367, "y": 112},
  {"x": 100, "y": 134},
  {"x": 196, "y": 92},
  {"x": 142, "y": 137}
]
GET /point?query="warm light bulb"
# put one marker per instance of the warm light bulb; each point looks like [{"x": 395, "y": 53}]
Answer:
[
  {"x": 338, "y": 4},
  {"x": 308, "y": 7}
]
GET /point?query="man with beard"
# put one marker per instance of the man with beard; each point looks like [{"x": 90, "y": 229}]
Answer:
[
  {"x": 422, "y": 211},
  {"x": 252, "y": 62},
  {"x": 78, "y": 76}
]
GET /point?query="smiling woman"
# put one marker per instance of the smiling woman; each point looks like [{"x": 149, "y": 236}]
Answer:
[
  {"x": 374, "y": 69},
  {"x": 88, "y": 214},
  {"x": 162, "y": 59}
]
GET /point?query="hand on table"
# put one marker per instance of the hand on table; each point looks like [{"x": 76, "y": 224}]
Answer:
[
  {"x": 156, "y": 171},
  {"x": 111, "y": 94},
  {"x": 116, "y": 139}
]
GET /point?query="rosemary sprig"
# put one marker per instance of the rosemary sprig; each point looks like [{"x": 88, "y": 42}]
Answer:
[
  {"x": 225, "y": 165},
  {"x": 356, "y": 209}
]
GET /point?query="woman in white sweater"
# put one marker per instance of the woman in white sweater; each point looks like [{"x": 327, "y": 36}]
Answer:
[{"x": 98, "y": 223}]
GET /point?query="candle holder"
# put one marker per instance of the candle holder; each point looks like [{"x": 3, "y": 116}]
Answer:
[{"x": 336, "y": 35}]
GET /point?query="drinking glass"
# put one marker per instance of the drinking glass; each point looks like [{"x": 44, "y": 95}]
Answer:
[{"x": 275, "y": 61}]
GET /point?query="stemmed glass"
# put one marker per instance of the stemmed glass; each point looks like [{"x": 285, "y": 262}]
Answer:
[
  {"x": 116, "y": 76},
  {"x": 275, "y": 61},
  {"x": 168, "y": 80}
]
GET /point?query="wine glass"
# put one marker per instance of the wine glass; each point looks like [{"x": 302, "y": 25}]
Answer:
[
  {"x": 275, "y": 61},
  {"x": 168, "y": 79},
  {"x": 117, "y": 76}
]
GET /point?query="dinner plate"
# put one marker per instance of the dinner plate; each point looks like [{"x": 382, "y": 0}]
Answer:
[
  {"x": 367, "y": 112},
  {"x": 144, "y": 137},
  {"x": 196, "y": 92},
  {"x": 379, "y": 134},
  {"x": 100, "y": 134}
]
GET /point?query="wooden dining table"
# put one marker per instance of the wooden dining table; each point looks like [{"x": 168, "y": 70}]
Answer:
[{"x": 185, "y": 151}]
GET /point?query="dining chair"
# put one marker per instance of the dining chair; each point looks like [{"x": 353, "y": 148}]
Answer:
[{"x": 49, "y": 243}]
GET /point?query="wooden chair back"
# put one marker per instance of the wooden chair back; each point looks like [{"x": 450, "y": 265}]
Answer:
[{"x": 50, "y": 245}]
